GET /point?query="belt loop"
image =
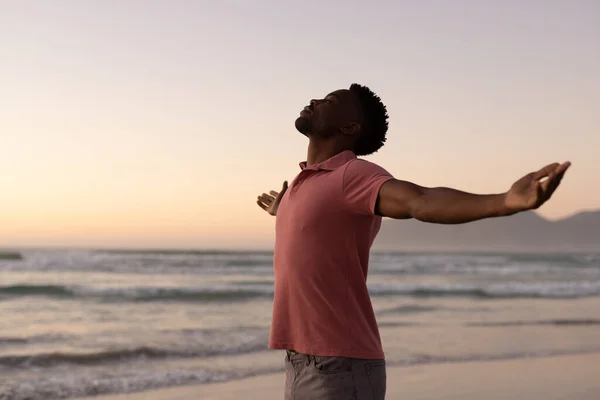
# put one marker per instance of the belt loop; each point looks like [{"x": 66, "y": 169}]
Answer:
[{"x": 290, "y": 354}]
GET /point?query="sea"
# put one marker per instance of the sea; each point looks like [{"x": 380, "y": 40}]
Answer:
[{"x": 81, "y": 323}]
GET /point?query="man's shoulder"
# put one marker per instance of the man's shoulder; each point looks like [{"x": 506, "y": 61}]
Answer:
[{"x": 361, "y": 166}]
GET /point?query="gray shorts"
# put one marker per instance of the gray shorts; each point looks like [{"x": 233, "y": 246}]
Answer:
[{"x": 333, "y": 378}]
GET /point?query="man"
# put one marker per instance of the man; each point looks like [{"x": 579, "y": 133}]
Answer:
[{"x": 326, "y": 223}]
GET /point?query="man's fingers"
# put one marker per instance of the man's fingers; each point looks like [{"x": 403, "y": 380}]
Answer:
[
  {"x": 554, "y": 168},
  {"x": 547, "y": 184},
  {"x": 554, "y": 184},
  {"x": 265, "y": 201},
  {"x": 544, "y": 172},
  {"x": 551, "y": 184},
  {"x": 267, "y": 198},
  {"x": 283, "y": 189},
  {"x": 563, "y": 168}
]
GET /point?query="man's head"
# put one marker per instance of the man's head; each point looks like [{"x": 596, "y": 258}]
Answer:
[{"x": 356, "y": 117}]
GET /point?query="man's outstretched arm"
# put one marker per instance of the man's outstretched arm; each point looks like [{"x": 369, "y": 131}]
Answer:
[{"x": 403, "y": 200}]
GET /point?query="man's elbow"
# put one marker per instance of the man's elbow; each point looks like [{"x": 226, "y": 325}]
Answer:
[
  {"x": 420, "y": 212},
  {"x": 424, "y": 208}
]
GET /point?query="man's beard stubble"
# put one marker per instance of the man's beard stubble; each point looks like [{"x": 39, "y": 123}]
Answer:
[
  {"x": 303, "y": 125},
  {"x": 306, "y": 127}
]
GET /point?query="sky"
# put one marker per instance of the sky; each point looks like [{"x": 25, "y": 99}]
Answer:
[{"x": 157, "y": 123}]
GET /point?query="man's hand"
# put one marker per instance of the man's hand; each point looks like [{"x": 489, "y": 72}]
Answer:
[
  {"x": 531, "y": 191},
  {"x": 270, "y": 202}
]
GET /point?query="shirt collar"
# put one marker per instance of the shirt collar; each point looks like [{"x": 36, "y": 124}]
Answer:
[{"x": 332, "y": 163}]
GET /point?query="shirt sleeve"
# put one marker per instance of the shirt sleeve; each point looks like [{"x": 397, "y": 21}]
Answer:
[{"x": 361, "y": 183}]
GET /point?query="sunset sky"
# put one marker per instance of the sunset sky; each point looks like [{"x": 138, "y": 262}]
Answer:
[{"x": 157, "y": 123}]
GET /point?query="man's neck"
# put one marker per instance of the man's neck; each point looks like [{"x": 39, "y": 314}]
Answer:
[{"x": 321, "y": 150}]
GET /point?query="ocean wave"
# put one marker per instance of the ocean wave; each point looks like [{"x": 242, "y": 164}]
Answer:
[
  {"x": 491, "y": 258},
  {"x": 582, "y": 266},
  {"x": 51, "y": 359},
  {"x": 10, "y": 255},
  {"x": 248, "y": 263},
  {"x": 194, "y": 343},
  {"x": 135, "y": 293},
  {"x": 556, "y": 322},
  {"x": 244, "y": 292},
  {"x": 392, "y": 324},
  {"x": 13, "y": 340},
  {"x": 482, "y": 264},
  {"x": 415, "y": 309},
  {"x": 75, "y": 385},
  {"x": 420, "y": 359},
  {"x": 121, "y": 356},
  {"x": 504, "y": 290},
  {"x": 149, "y": 262},
  {"x": 501, "y": 270},
  {"x": 408, "y": 309},
  {"x": 35, "y": 290},
  {"x": 175, "y": 252}
]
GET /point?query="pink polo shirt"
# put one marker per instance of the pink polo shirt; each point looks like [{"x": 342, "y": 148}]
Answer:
[{"x": 324, "y": 231}]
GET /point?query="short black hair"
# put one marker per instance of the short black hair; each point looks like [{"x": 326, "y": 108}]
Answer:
[{"x": 375, "y": 124}]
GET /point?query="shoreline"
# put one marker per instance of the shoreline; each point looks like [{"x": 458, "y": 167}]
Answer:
[{"x": 546, "y": 377}]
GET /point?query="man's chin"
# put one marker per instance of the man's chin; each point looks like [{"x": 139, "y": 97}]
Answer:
[{"x": 303, "y": 125}]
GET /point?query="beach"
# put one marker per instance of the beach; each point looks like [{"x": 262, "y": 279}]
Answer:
[
  {"x": 195, "y": 324},
  {"x": 573, "y": 377}
]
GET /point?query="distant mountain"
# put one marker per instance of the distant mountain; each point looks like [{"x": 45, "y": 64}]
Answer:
[{"x": 522, "y": 232}]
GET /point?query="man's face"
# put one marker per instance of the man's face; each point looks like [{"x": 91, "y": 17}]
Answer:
[{"x": 327, "y": 116}]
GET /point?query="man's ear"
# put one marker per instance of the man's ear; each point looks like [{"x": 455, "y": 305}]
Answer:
[{"x": 352, "y": 129}]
